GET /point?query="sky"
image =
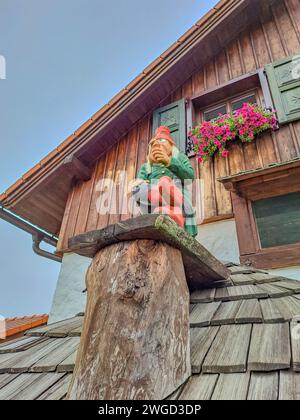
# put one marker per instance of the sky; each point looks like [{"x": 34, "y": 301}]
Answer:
[{"x": 65, "y": 59}]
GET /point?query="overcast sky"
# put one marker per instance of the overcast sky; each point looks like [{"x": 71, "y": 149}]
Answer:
[{"x": 64, "y": 60}]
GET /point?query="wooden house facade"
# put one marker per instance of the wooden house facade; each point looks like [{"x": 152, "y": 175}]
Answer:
[{"x": 241, "y": 51}]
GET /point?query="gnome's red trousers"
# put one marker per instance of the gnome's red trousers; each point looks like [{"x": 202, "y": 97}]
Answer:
[{"x": 165, "y": 197}]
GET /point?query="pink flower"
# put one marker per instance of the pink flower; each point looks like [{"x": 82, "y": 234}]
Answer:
[{"x": 225, "y": 153}]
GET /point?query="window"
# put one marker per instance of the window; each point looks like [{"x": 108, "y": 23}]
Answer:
[
  {"x": 278, "y": 220},
  {"x": 232, "y": 104},
  {"x": 238, "y": 103}
]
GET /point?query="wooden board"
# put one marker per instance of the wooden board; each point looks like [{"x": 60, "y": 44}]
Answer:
[
  {"x": 270, "y": 347},
  {"x": 228, "y": 353},
  {"x": 201, "y": 266}
]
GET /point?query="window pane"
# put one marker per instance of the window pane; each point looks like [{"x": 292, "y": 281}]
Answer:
[
  {"x": 251, "y": 99},
  {"x": 278, "y": 220},
  {"x": 214, "y": 113}
]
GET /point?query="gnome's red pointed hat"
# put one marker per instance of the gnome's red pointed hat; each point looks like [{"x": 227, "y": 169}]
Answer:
[{"x": 164, "y": 133}]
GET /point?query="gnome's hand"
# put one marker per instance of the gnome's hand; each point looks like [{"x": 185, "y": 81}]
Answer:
[{"x": 162, "y": 157}]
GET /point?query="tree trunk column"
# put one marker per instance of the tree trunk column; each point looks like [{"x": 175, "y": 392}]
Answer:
[{"x": 135, "y": 339}]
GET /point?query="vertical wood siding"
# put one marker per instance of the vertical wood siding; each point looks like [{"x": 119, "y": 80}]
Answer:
[{"x": 277, "y": 37}]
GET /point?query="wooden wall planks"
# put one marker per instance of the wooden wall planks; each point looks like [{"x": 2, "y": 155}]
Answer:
[{"x": 276, "y": 37}]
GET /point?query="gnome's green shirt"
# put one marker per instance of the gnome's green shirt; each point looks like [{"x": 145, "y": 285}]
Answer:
[{"x": 179, "y": 170}]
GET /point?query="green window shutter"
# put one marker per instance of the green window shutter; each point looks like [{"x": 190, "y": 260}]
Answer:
[
  {"x": 284, "y": 81},
  {"x": 172, "y": 116},
  {"x": 278, "y": 220}
]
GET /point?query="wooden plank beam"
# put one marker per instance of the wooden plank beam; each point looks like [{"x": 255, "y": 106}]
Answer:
[
  {"x": 201, "y": 267},
  {"x": 79, "y": 170}
]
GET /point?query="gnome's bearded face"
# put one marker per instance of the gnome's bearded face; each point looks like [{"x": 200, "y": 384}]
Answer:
[{"x": 161, "y": 146}]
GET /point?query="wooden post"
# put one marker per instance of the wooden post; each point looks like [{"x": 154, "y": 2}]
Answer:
[{"x": 135, "y": 339}]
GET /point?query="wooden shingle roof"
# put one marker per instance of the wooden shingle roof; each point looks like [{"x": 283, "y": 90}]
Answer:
[{"x": 244, "y": 345}]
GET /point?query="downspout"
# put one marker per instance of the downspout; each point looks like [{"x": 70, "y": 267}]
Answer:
[
  {"x": 38, "y": 235},
  {"x": 37, "y": 238}
]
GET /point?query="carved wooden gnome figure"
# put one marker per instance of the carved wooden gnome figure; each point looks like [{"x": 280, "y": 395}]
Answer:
[{"x": 160, "y": 187}]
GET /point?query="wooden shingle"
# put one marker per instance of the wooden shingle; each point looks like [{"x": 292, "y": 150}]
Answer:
[
  {"x": 68, "y": 364},
  {"x": 289, "y": 385},
  {"x": 293, "y": 285},
  {"x": 245, "y": 292},
  {"x": 56, "y": 325},
  {"x": 203, "y": 296},
  {"x": 274, "y": 291},
  {"x": 201, "y": 340},
  {"x": 226, "y": 313},
  {"x": 271, "y": 313},
  {"x": 263, "y": 386},
  {"x": 57, "y": 391},
  {"x": 241, "y": 279},
  {"x": 263, "y": 277},
  {"x": 269, "y": 347},
  {"x": 249, "y": 311},
  {"x": 6, "y": 378},
  {"x": 288, "y": 306},
  {"x": 231, "y": 386},
  {"x": 199, "y": 387},
  {"x": 21, "y": 362},
  {"x": 50, "y": 361},
  {"x": 295, "y": 343},
  {"x": 202, "y": 314},
  {"x": 29, "y": 386},
  {"x": 229, "y": 350}
]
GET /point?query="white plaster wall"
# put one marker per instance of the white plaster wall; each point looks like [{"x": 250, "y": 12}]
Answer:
[
  {"x": 68, "y": 298},
  {"x": 289, "y": 272},
  {"x": 220, "y": 238}
]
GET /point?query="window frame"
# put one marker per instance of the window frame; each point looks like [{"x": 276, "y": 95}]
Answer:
[{"x": 255, "y": 80}]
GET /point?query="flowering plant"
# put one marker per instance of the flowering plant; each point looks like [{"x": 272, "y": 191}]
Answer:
[{"x": 244, "y": 124}]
